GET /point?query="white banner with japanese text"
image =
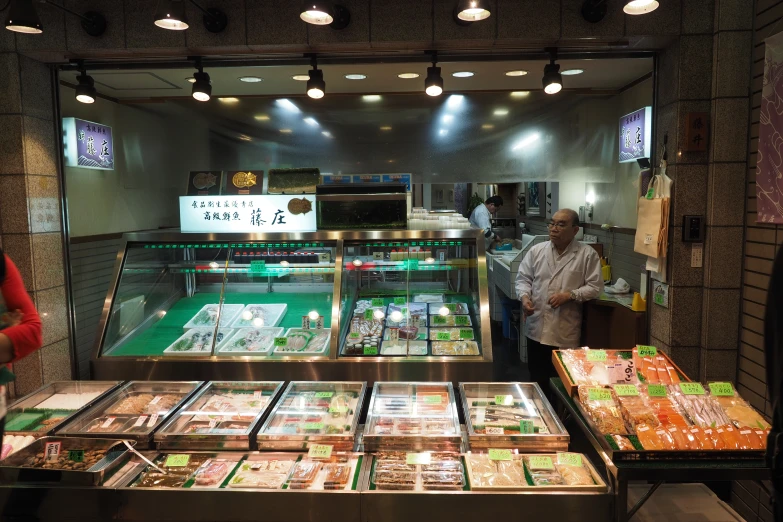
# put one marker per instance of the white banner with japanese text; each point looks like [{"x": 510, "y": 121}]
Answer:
[{"x": 247, "y": 214}]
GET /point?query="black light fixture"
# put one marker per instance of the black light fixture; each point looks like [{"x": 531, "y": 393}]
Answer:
[
  {"x": 202, "y": 87},
  {"x": 553, "y": 80},
  {"x": 85, "y": 91},
  {"x": 639, "y": 7},
  {"x": 319, "y": 12},
  {"x": 473, "y": 10},
  {"x": 433, "y": 85},
  {"x": 594, "y": 10},
  {"x": 23, "y": 18},
  {"x": 172, "y": 15},
  {"x": 316, "y": 86}
]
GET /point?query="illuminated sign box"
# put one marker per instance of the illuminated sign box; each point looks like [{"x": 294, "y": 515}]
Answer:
[
  {"x": 635, "y": 135},
  {"x": 87, "y": 144},
  {"x": 247, "y": 214}
]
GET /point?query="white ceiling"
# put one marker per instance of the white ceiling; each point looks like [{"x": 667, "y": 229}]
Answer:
[{"x": 600, "y": 74}]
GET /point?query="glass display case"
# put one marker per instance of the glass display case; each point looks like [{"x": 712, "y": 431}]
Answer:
[
  {"x": 412, "y": 416},
  {"x": 134, "y": 411},
  {"x": 314, "y": 413},
  {"x": 222, "y": 415},
  {"x": 511, "y": 415},
  {"x": 252, "y": 307}
]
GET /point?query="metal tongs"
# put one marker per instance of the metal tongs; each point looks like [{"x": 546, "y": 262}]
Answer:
[{"x": 142, "y": 457}]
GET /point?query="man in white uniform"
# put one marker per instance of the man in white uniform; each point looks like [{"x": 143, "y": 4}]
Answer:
[
  {"x": 481, "y": 217},
  {"x": 553, "y": 281}
]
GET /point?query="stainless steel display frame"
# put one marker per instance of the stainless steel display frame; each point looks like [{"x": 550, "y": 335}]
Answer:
[
  {"x": 208, "y": 442},
  {"x": 332, "y": 367},
  {"x": 112, "y": 385},
  {"x": 529, "y": 443}
]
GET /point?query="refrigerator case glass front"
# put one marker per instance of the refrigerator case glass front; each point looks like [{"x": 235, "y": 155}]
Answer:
[
  {"x": 192, "y": 299},
  {"x": 314, "y": 413},
  {"x": 410, "y": 299},
  {"x": 222, "y": 415},
  {"x": 134, "y": 411},
  {"x": 511, "y": 415},
  {"x": 412, "y": 416}
]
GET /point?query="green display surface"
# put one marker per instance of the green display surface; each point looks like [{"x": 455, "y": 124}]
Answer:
[{"x": 171, "y": 327}]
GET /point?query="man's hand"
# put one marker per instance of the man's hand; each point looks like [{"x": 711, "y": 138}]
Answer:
[
  {"x": 497, "y": 238},
  {"x": 527, "y": 306},
  {"x": 560, "y": 299}
]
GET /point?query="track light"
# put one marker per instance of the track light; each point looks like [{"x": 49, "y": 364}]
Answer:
[
  {"x": 23, "y": 18},
  {"x": 473, "y": 10},
  {"x": 316, "y": 86},
  {"x": 202, "y": 87},
  {"x": 319, "y": 12},
  {"x": 553, "y": 81},
  {"x": 85, "y": 91},
  {"x": 172, "y": 15},
  {"x": 433, "y": 85},
  {"x": 639, "y": 7}
]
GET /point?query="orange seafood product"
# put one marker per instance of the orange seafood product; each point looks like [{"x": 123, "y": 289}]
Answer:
[
  {"x": 667, "y": 412},
  {"x": 638, "y": 362},
  {"x": 716, "y": 437},
  {"x": 681, "y": 442},
  {"x": 691, "y": 441},
  {"x": 730, "y": 437},
  {"x": 703, "y": 439},
  {"x": 673, "y": 375},
  {"x": 650, "y": 371},
  {"x": 648, "y": 438},
  {"x": 663, "y": 374},
  {"x": 763, "y": 435},
  {"x": 667, "y": 441},
  {"x": 623, "y": 443},
  {"x": 636, "y": 412},
  {"x": 749, "y": 439}
]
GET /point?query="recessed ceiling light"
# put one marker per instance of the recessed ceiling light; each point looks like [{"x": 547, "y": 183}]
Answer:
[
  {"x": 500, "y": 112},
  {"x": 228, "y": 100},
  {"x": 462, "y": 74},
  {"x": 517, "y": 72},
  {"x": 520, "y": 94},
  {"x": 408, "y": 76},
  {"x": 327, "y": 134},
  {"x": 301, "y": 77},
  {"x": 572, "y": 72},
  {"x": 371, "y": 97},
  {"x": 286, "y": 131},
  {"x": 190, "y": 79},
  {"x": 386, "y": 128},
  {"x": 355, "y": 76},
  {"x": 487, "y": 126},
  {"x": 261, "y": 117},
  {"x": 311, "y": 121},
  {"x": 250, "y": 79}
]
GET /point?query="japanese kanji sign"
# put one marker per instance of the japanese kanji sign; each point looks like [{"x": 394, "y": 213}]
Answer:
[
  {"x": 769, "y": 178},
  {"x": 87, "y": 144},
  {"x": 697, "y": 132},
  {"x": 635, "y": 131},
  {"x": 247, "y": 214}
]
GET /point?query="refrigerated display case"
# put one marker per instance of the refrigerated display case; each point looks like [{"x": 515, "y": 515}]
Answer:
[
  {"x": 222, "y": 415},
  {"x": 404, "y": 305}
]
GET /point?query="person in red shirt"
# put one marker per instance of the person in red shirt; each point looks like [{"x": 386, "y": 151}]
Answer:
[{"x": 20, "y": 325}]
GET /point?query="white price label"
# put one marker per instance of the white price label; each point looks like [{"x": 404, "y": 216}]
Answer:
[
  {"x": 156, "y": 400},
  {"x": 495, "y": 431},
  {"x": 153, "y": 420},
  {"x": 140, "y": 421},
  {"x": 107, "y": 422}
]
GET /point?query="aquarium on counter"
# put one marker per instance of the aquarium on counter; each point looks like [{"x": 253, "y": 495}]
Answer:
[{"x": 314, "y": 413}]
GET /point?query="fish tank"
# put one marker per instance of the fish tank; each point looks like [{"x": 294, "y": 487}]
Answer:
[{"x": 371, "y": 206}]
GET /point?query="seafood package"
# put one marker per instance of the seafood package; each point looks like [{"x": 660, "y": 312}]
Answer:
[
  {"x": 311, "y": 412},
  {"x": 197, "y": 341},
  {"x": 487, "y": 417},
  {"x": 255, "y": 341},
  {"x": 602, "y": 407},
  {"x": 304, "y": 342},
  {"x": 358, "y": 344},
  {"x": 429, "y": 298},
  {"x": 259, "y": 316},
  {"x": 402, "y": 347},
  {"x": 742, "y": 414},
  {"x": 453, "y": 308},
  {"x": 450, "y": 320},
  {"x": 213, "y": 472},
  {"x": 207, "y": 317},
  {"x": 366, "y": 327},
  {"x": 455, "y": 348},
  {"x": 137, "y": 403},
  {"x": 452, "y": 334},
  {"x": 702, "y": 410},
  {"x": 411, "y": 333},
  {"x": 543, "y": 471},
  {"x": 573, "y": 470},
  {"x": 263, "y": 472},
  {"x": 487, "y": 473},
  {"x": 442, "y": 472},
  {"x": 599, "y": 367},
  {"x": 413, "y": 314},
  {"x": 655, "y": 369}
]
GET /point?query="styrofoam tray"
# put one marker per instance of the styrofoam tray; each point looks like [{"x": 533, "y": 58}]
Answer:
[
  {"x": 272, "y": 314},
  {"x": 310, "y": 348},
  {"x": 229, "y": 347},
  {"x": 225, "y": 332},
  {"x": 228, "y": 315}
]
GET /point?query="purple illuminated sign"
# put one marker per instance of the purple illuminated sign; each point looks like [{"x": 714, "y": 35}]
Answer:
[
  {"x": 87, "y": 144},
  {"x": 635, "y": 129}
]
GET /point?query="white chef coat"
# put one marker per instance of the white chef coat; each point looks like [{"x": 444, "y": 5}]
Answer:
[
  {"x": 543, "y": 273},
  {"x": 481, "y": 218}
]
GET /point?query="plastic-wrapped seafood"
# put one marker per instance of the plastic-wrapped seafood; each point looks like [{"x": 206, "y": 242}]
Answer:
[
  {"x": 455, "y": 348},
  {"x": 600, "y": 404},
  {"x": 254, "y": 340},
  {"x": 702, "y": 410}
]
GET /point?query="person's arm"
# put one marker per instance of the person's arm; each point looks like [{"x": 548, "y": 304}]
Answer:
[
  {"x": 524, "y": 283},
  {"x": 484, "y": 221},
  {"x": 594, "y": 281},
  {"x": 24, "y": 338}
]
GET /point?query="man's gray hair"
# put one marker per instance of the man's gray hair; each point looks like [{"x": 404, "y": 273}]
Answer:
[{"x": 574, "y": 215}]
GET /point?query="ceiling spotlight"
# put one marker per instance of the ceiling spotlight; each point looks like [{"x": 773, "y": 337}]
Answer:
[
  {"x": 355, "y": 76},
  {"x": 462, "y": 74},
  {"x": 639, "y": 7},
  {"x": 316, "y": 86},
  {"x": 325, "y": 13},
  {"x": 572, "y": 72},
  {"x": 473, "y": 10},
  {"x": 202, "y": 87},
  {"x": 250, "y": 79},
  {"x": 171, "y": 15},
  {"x": 553, "y": 81},
  {"x": 408, "y": 76},
  {"x": 433, "y": 85},
  {"x": 517, "y": 72},
  {"x": 85, "y": 91},
  {"x": 23, "y": 18}
]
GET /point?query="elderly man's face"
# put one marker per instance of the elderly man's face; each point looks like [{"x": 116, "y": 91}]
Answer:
[{"x": 562, "y": 229}]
